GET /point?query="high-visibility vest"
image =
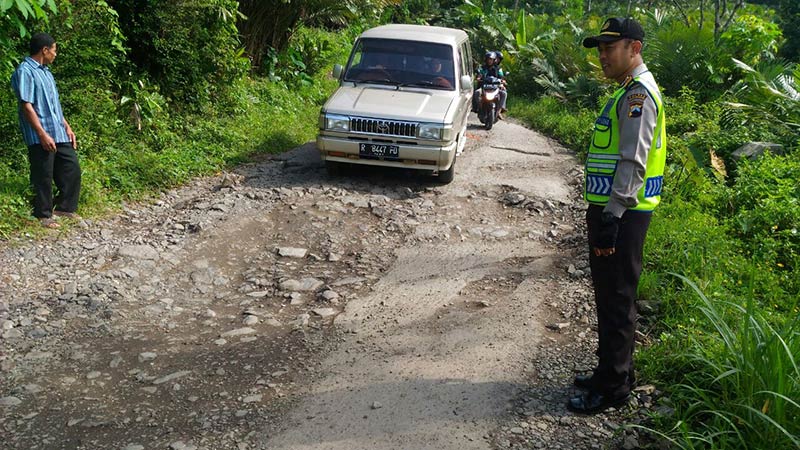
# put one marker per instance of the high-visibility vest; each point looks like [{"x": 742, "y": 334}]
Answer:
[{"x": 603, "y": 157}]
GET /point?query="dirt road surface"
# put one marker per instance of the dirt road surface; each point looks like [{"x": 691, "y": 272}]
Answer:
[{"x": 277, "y": 307}]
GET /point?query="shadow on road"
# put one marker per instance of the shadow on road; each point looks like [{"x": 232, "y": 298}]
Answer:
[{"x": 304, "y": 167}]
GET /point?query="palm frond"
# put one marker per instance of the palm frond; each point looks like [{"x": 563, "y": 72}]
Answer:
[
  {"x": 769, "y": 93},
  {"x": 548, "y": 79},
  {"x": 584, "y": 89}
]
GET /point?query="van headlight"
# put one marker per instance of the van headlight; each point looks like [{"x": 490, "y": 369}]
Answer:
[
  {"x": 334, "y": 122},
  {"x": 431, "y": 131},
  {"x": 435, "y": 132}
]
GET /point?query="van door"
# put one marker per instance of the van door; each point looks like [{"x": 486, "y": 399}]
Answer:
[{"x": 465, "y": 68}]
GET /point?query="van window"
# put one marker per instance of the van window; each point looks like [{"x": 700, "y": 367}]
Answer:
[
  {"x": 401, "y": 62},
  {"x": 466, "y": 60}
]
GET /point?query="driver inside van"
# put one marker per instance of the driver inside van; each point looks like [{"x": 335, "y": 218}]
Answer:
[{"x": 440, "y": 76}]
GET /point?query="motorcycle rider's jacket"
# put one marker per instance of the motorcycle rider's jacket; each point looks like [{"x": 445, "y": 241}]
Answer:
[
  {"x": 626, "y": 170},
  {"x": 491, "y": 71}
]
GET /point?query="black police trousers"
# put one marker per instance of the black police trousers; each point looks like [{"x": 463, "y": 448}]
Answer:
[{"x": 616, "y": 279}]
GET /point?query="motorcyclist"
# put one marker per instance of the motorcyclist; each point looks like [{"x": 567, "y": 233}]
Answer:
[{"x": 490, "y": 68}]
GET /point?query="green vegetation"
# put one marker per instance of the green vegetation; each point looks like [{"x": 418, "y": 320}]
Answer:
[{"x": 161, "y": 91}]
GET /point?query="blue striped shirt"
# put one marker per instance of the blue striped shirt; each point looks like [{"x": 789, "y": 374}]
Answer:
[{"x": 34, "y": 83}]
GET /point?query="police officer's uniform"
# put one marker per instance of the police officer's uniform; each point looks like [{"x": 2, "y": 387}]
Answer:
[{"x": 623, "y": 183}]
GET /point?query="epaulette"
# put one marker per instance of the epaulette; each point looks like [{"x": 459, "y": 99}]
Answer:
[{"x": 629, "y": 83}]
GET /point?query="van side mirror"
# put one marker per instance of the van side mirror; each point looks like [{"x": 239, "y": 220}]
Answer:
[
  {"x": 337, "y": 71},
  {"x": 466, "y": 82}
]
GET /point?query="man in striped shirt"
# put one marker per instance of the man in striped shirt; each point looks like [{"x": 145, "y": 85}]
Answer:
[{"x": 50, "y": 140}]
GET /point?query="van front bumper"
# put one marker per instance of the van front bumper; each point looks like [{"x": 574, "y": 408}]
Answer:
[{"x": 422, "y": 157}]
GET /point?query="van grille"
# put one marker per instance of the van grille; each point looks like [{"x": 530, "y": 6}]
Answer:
[{"x": 384, "y": 127}]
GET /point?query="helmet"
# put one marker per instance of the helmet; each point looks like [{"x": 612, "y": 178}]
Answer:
[
  {"x": 498, "y": 55},
  {"x": 489, "y": 55}
]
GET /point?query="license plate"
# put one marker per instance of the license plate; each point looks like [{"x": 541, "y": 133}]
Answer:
[{"x": 379, "y": 150}]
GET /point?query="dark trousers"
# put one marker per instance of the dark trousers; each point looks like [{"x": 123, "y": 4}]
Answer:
[
  {"x": 616, "y": 279},
  {"x": 61, "y": 167}
]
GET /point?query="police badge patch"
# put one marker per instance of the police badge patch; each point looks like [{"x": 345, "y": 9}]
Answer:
[{"x": 635, "y": 104}]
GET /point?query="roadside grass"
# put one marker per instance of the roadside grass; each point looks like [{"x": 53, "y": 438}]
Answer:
[
  {"x": 556, "y": 119},
  {"x": 122, "y": 164},
  {"x": 724, "y": 351},
  {"x": 742, "y": 383}
]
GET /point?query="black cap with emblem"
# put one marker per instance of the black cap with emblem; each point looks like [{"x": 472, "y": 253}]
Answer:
[{"x": 614, "y": 29}]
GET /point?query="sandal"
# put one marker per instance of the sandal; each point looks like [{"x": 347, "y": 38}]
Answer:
[
  {"x": 49, "y": 222},
  {"x": 68, "y": 215}
]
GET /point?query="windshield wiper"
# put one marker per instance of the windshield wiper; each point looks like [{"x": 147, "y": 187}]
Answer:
[
  {"x": 380, "y": 81},
  {"x": 425, "y": 83},
  {"x": 376, "y": 81}
]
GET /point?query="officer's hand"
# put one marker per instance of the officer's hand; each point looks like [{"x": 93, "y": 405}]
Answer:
[
  {"x": 604, "y": 251},
  {"x": 606, "y": 238}
]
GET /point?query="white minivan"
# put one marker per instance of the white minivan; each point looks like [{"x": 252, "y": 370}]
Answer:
[{"x": 402, "y": 101}]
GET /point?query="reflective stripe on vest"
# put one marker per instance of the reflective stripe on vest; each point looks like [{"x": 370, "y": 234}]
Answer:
[{"x": 603, "y": 157}]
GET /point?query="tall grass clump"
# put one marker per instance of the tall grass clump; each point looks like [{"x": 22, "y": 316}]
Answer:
[{"x": 741, "y": 381}]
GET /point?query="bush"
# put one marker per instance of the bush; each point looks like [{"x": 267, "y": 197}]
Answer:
[
  {"x": 765, "y": 202},
  {"x": 20, "y": 19},
  {"x": 751, "y": 38},
  {"x": 683, "y": 57},
  {"x": 189, "y": 47},
  {"x": 790, "y": 22},
  {"x": 309, "y": 51}
]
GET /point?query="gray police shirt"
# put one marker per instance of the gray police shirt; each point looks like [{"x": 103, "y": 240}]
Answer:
[{"x": 638, "y": 116}]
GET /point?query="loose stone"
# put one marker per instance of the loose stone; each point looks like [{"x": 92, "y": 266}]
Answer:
[
  {"x": 147, "y": 356},
  {"x": 302, "y": 285},
  {"x": 292, "y": 252},
  {"x": 10, "y": 401},
  {"x": 329, "y": 295},
  {"x": 324, "y": 312},
  {"x": 172, "y": 376},
  {"x": 237, "y": 332},
  {"x": 141, "y": 252},
  {"x": 250, "y": 320},
  {"x": 252, "y": 398}
]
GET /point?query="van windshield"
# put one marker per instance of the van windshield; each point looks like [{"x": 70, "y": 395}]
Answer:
[{"x": 402, "y": 63}]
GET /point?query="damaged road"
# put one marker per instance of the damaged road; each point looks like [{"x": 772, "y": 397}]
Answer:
[{"x": 277, "y": 307}]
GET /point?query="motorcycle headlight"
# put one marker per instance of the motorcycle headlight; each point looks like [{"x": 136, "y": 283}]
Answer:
[
  {"x": 333, "y": 122},
  {"x": 431, "y": 131}
]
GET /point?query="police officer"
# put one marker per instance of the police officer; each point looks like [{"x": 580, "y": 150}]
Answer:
[{"x": 623, "y": 181}]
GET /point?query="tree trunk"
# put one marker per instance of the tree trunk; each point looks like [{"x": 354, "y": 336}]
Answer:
[
  {"x": 723, "y": 15},
  {"x": 683, "y": 13},
  {"x": 702, "y": 13},
  {"x": 269, "y": 24}
]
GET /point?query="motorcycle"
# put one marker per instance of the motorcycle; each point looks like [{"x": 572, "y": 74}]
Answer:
[{"x": 488, "y": 102}]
